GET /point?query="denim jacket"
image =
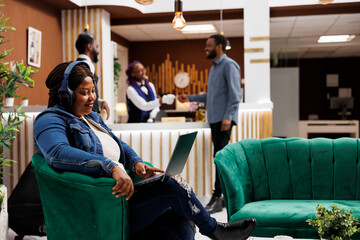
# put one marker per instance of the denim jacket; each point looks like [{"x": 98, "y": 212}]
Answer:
[{"x": 68, "y": 143}]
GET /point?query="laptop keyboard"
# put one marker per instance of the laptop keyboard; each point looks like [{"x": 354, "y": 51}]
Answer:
[{"x": 149, "y": 180}]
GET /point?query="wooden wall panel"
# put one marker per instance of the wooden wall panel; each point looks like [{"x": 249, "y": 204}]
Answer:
[
  {"x": 24, "y": 14},
  {"x": 266, "y": 126},
  {"x": 74, "y": 23},
  {"x": 163, "y": 78},
  {"x": 163, "y": 59}
]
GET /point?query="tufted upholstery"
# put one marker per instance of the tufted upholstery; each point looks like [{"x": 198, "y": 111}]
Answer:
[
  {"x": 77, "y": 206},
  {"x": 280, "y": 181}
]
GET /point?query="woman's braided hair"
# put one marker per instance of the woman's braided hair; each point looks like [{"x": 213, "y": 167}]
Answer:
[{"x": 55, "y": 78}]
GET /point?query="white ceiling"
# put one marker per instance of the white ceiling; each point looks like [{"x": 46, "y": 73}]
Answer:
[
  {"x": 195, "y": 5},
  {"x": 291, "y": 37}
]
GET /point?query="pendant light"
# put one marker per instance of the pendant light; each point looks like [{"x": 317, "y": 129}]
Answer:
[
  {"x": 228, "y": 46},
  {"x": 178, "y": 21},
  {"x": 86, "y": 26},
  {"x": 145, "y": 2}
]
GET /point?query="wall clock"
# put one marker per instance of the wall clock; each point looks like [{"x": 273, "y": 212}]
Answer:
[{"x": 182, "y": 79}]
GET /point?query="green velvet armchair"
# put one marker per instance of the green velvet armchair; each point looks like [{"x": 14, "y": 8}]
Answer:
[
  {"x": 77, "y": 206},
  {"x": 280, "y": 181}
]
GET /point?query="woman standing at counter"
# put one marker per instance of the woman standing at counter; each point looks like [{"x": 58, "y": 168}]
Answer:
[{"x": 141, "y": 100}]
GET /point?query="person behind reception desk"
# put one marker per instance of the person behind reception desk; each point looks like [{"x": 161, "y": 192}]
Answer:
[
  {"x": 88, "y": 49},
  {"x": 222, "y": 102},
  {"x": 142, "y": 104},
  {"x": 72, "y": 137}
]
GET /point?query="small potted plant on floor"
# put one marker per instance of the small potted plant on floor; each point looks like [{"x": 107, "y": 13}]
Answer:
[
  {"x": 334, "y": 224},
  {"x": 3, "y": 213}
]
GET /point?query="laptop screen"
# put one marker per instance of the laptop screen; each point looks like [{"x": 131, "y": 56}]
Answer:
[{"x": 180, "y": 154}]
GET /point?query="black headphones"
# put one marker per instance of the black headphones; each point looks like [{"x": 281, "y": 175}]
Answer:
[{"x": 66, "y": 95}]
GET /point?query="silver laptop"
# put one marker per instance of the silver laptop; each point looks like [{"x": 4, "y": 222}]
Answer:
[{"x": 177, "y": 161}]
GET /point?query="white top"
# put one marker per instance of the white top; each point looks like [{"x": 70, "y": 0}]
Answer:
[
  {"x": 110, "y": 147},
  {"x": 88, "y": 61},
  {"x": 140, "y": 102}
]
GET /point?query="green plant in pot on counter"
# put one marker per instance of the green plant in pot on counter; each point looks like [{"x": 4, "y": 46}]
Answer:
[{"x": 334, "y": 224}]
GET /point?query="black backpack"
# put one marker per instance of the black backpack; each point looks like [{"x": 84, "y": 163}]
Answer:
[{"x": 24, "y": 206}]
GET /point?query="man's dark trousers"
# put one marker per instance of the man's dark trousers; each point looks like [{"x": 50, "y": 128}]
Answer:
[{"x": 220, "y": 140}]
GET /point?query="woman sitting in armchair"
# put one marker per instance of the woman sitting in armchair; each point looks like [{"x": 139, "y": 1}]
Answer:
[{"x": 72, "y": 137}]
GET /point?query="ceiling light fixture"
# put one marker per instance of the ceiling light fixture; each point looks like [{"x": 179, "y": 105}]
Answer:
[
  {"x": 178, "y": 21},
  {"x": 324, "y": 2},
  {"x": 336, "y": 38},
  {"x": 201, "y": 28},
  {"x": 145, "y": 2},
  {"x": 228, "y": 46},
  {"x": 86, "y": 26}
]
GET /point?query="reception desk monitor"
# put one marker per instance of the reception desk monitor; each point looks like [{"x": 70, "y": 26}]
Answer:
[{"x": 343, "y": 103}]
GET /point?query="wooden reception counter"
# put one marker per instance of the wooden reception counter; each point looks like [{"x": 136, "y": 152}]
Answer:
[{"x": 154, "y": 142}]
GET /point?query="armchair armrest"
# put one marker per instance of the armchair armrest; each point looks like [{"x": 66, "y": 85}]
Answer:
[{"x": 235, "y": 177}]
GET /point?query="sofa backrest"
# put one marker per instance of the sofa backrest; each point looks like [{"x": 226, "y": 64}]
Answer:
[{"x": 296, "y": 168}]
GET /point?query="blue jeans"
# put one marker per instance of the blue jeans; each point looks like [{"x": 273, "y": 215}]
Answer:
[
  {"x": 169, "y": 226},
  {"x": 147, "y": 205}
]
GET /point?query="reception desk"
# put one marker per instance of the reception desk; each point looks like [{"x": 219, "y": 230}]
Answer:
[{"x": 154, "y": 142}]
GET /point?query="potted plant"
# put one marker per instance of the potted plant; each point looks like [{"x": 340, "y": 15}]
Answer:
[
  {"x": 3, "y": 213},
  {"x": 24, "y": 102},
  {"x": 334, "y": 224},
  {"x": 199, "y": 109},
  {"x": 117, "y": 71},
  {"x": 11, "y": 117}
]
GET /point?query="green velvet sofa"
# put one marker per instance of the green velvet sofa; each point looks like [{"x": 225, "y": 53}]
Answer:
[
  {"x": 280, "y": 181},
  {"x": 78, "y": 207}
]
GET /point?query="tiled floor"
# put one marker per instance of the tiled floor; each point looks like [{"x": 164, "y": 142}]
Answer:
[{"x": 220, "y": 217}]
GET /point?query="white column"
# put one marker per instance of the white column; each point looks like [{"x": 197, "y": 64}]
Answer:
[
  {"x": 107, "y": 64},
  {"x": 257, "y": 52}
]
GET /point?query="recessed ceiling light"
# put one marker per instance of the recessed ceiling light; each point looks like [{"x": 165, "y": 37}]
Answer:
[
  {"x": 202, "y": 28},
  {"x": 336, "y": 38},
  {"x": 324, "y": 2}
]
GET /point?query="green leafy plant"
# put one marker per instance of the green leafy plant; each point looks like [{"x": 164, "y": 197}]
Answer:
[
  {"x": 334, "y": 224},
  {"x": 117, "y": 71},
  {"x": 10, "y": 81}
]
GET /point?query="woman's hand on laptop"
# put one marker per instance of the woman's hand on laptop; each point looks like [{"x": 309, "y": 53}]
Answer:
[{"x": 145, "y": 171}]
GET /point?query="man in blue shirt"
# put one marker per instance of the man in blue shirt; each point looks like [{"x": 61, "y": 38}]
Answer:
[{"x": 222, "y": 103}]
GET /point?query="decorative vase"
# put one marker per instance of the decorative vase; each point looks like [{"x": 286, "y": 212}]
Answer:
[
  {"x": 200, "y": 115},
  {"x": 9, "y": 101},
  {"x": 4, "y": 221}
]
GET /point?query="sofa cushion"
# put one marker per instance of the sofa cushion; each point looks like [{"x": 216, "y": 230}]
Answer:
[{"x": 288, "y": 213}]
